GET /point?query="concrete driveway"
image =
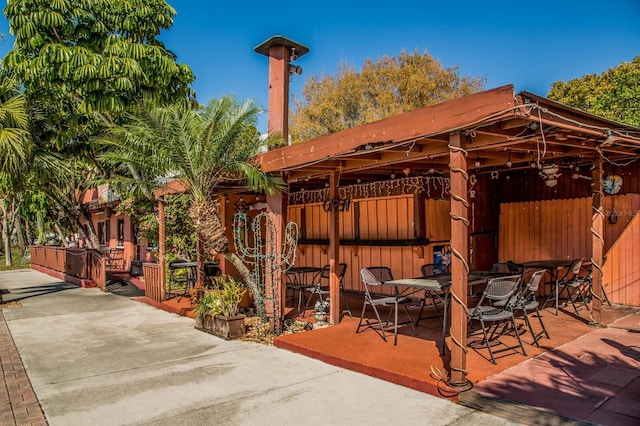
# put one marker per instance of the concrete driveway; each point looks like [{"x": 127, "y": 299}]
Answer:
[{"x": 95, "y": 358}]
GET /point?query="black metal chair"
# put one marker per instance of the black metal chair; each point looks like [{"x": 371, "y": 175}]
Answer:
[
  {"x": 180, "y": 279},
  {"x": 432, "y": 270},
  {"x": 372, "y": 278},
  {"x": 573, "y": 286},
  {"x": 317, "y": 288},
  {"x": 498, "y": 311},
  {"x": 587, "y": 284}
]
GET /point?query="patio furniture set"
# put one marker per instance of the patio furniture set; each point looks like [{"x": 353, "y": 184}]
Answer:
[{"x": 505, "y": 297}]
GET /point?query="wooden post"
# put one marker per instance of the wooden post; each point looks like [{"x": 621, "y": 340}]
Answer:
[
  {"x": 161, "y": 248},
  {"x": 334, "y": 245},
  {"x": 597, "y": 241},
  {"x": 459, "y": 259},
  {"x": 277, "y": 208}
]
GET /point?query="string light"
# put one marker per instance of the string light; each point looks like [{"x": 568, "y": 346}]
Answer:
[{"x": 404, "y": 186}]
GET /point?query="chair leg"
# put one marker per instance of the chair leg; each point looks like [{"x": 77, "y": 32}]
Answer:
[
  {"x": 486, "y": 340},
  {"x": 406, "y": 308},
  {"x": 381, "y": 334},
  {"x": 346, "y": 301},
  {"x": 531, "y": 330},
  {"x": 513, "y": 321},
  {"x": 544, "y": 329}
]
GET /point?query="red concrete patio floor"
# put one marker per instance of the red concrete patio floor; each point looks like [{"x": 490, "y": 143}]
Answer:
[{"x": 596, "y": 369}]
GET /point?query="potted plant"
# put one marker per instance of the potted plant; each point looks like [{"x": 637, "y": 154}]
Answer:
[
  {"x": 321, "y": 313},
  {"x": 217, "y": 310}
]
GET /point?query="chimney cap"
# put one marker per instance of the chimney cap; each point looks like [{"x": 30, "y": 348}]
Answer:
[{"x": 279, "y": 40}]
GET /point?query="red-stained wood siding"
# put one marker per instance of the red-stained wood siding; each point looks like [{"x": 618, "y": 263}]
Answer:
[
  {"x": 561, "y": 229},
  {"x": 622, "y": 268},
  {"x": 388, "y": 218}
]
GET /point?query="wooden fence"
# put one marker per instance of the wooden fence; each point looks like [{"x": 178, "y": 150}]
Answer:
[
  {"x": 379, "y": 224},
  {"x": 154, "y": 287},
  {"x": 561, "y": 229},
  {"x": 83, "y": 264}
]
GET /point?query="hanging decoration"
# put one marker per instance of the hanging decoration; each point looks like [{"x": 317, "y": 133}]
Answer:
[
  {"x": 472, "y": 182},
  {"x": 550, "y": 174},
  {"x": 407, "y": 185}
]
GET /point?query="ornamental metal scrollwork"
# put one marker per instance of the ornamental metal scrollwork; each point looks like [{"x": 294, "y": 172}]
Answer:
[{"x": 336, "y": 204}]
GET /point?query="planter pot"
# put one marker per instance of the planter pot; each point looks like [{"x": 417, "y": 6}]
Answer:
[
  {"x": 221, "y": 326},
  {"x": 228, "y": 327},
  {"x": 321, "y": 317}
]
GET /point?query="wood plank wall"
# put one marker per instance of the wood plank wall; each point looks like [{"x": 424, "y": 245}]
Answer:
[
  {"x": 561, "y": 229},
  {"x": 622, "y": 268},
  {"x": 388, "y": 218}
]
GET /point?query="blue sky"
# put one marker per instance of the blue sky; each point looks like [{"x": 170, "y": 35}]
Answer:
[{"x": 528, "y": 44}]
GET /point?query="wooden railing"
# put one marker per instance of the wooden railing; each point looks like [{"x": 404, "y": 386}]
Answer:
[
  {"x": 84, "y": 264},
  {"x": 153, "y": 282}
]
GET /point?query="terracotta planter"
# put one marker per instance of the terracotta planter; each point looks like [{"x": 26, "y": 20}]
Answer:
[
  {"x": 221, "y": 326},
  {"x": 228, "y": 327}
]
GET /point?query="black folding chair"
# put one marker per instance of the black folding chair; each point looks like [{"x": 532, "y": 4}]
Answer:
[
  {"x": 432, "y": 270},
  {"x": 320, "y": 286}
]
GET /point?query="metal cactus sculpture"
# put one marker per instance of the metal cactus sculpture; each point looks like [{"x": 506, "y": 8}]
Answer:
[{"x": 255, "y": 245}]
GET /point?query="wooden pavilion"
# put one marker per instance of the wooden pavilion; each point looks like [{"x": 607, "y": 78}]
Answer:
[{"x": 497, "y": 175}]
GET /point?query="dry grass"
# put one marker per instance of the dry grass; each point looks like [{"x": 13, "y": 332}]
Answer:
[
  {"x": 6, "y": 305},
  {"x": 260, "y": 332}
]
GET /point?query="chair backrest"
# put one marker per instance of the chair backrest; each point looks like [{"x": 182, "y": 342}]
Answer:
[
  {"x": 381, "y": 273},
  {"x": 431, "y": 270},
  {"x": 573, "y": 273},
  {"x": 534, "y": 281},
  {"x": 500, "y": 267},
  {"x": 502, "y": 288},
  {"x": 342, "y": 269}
]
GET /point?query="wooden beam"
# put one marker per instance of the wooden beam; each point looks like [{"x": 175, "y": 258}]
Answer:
[
  {"x": 275, "y": 283},
  {"x": 459, "y": 260},
  {"x": 334, "y": 252},
  {"x": 597, "y": 240},
  {"x": 162, "y": 248},
  {"x": 401, "y": 128}
]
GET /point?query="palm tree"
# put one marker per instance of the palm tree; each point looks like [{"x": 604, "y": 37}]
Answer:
[{"x": 201, "y": 148}]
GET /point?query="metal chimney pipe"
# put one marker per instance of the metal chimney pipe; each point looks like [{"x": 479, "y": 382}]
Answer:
[{"x": 281, "y": 51}]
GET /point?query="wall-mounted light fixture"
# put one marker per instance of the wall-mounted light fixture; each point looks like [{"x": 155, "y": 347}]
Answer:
[{"x": 295, "y": 70}]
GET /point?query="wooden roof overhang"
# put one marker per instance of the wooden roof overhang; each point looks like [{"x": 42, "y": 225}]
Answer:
[
  {"x": 492, "y": 127},
  {"x": 498, "y": 125}
]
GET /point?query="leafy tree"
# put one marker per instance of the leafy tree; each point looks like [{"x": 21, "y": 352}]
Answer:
[
  {"x": 88, "y": 61},
  {"x": 180, "y": 236},
  {"x": 15, "y": 154},
  {"x": 204, "y": 149},
  {"x": 614, "y": 94},
  {"x": 83, "y": 63},
  {"x": 382, "y": 88}
]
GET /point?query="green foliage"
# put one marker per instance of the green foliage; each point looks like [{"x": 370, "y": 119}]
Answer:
[
  {"x": 382, "y": 88},
  {"x": 15, "y": 143},
  {"x": 19, "y": 262},
  {"x": 88, "y": 61},
  {"x": 180, "y": 239},
  {"x": 614, "y": 94},
  {"x": 223, "y": 301}
]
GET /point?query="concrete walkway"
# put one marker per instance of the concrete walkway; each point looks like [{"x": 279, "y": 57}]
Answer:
[{"x": 95, "y": 358}]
